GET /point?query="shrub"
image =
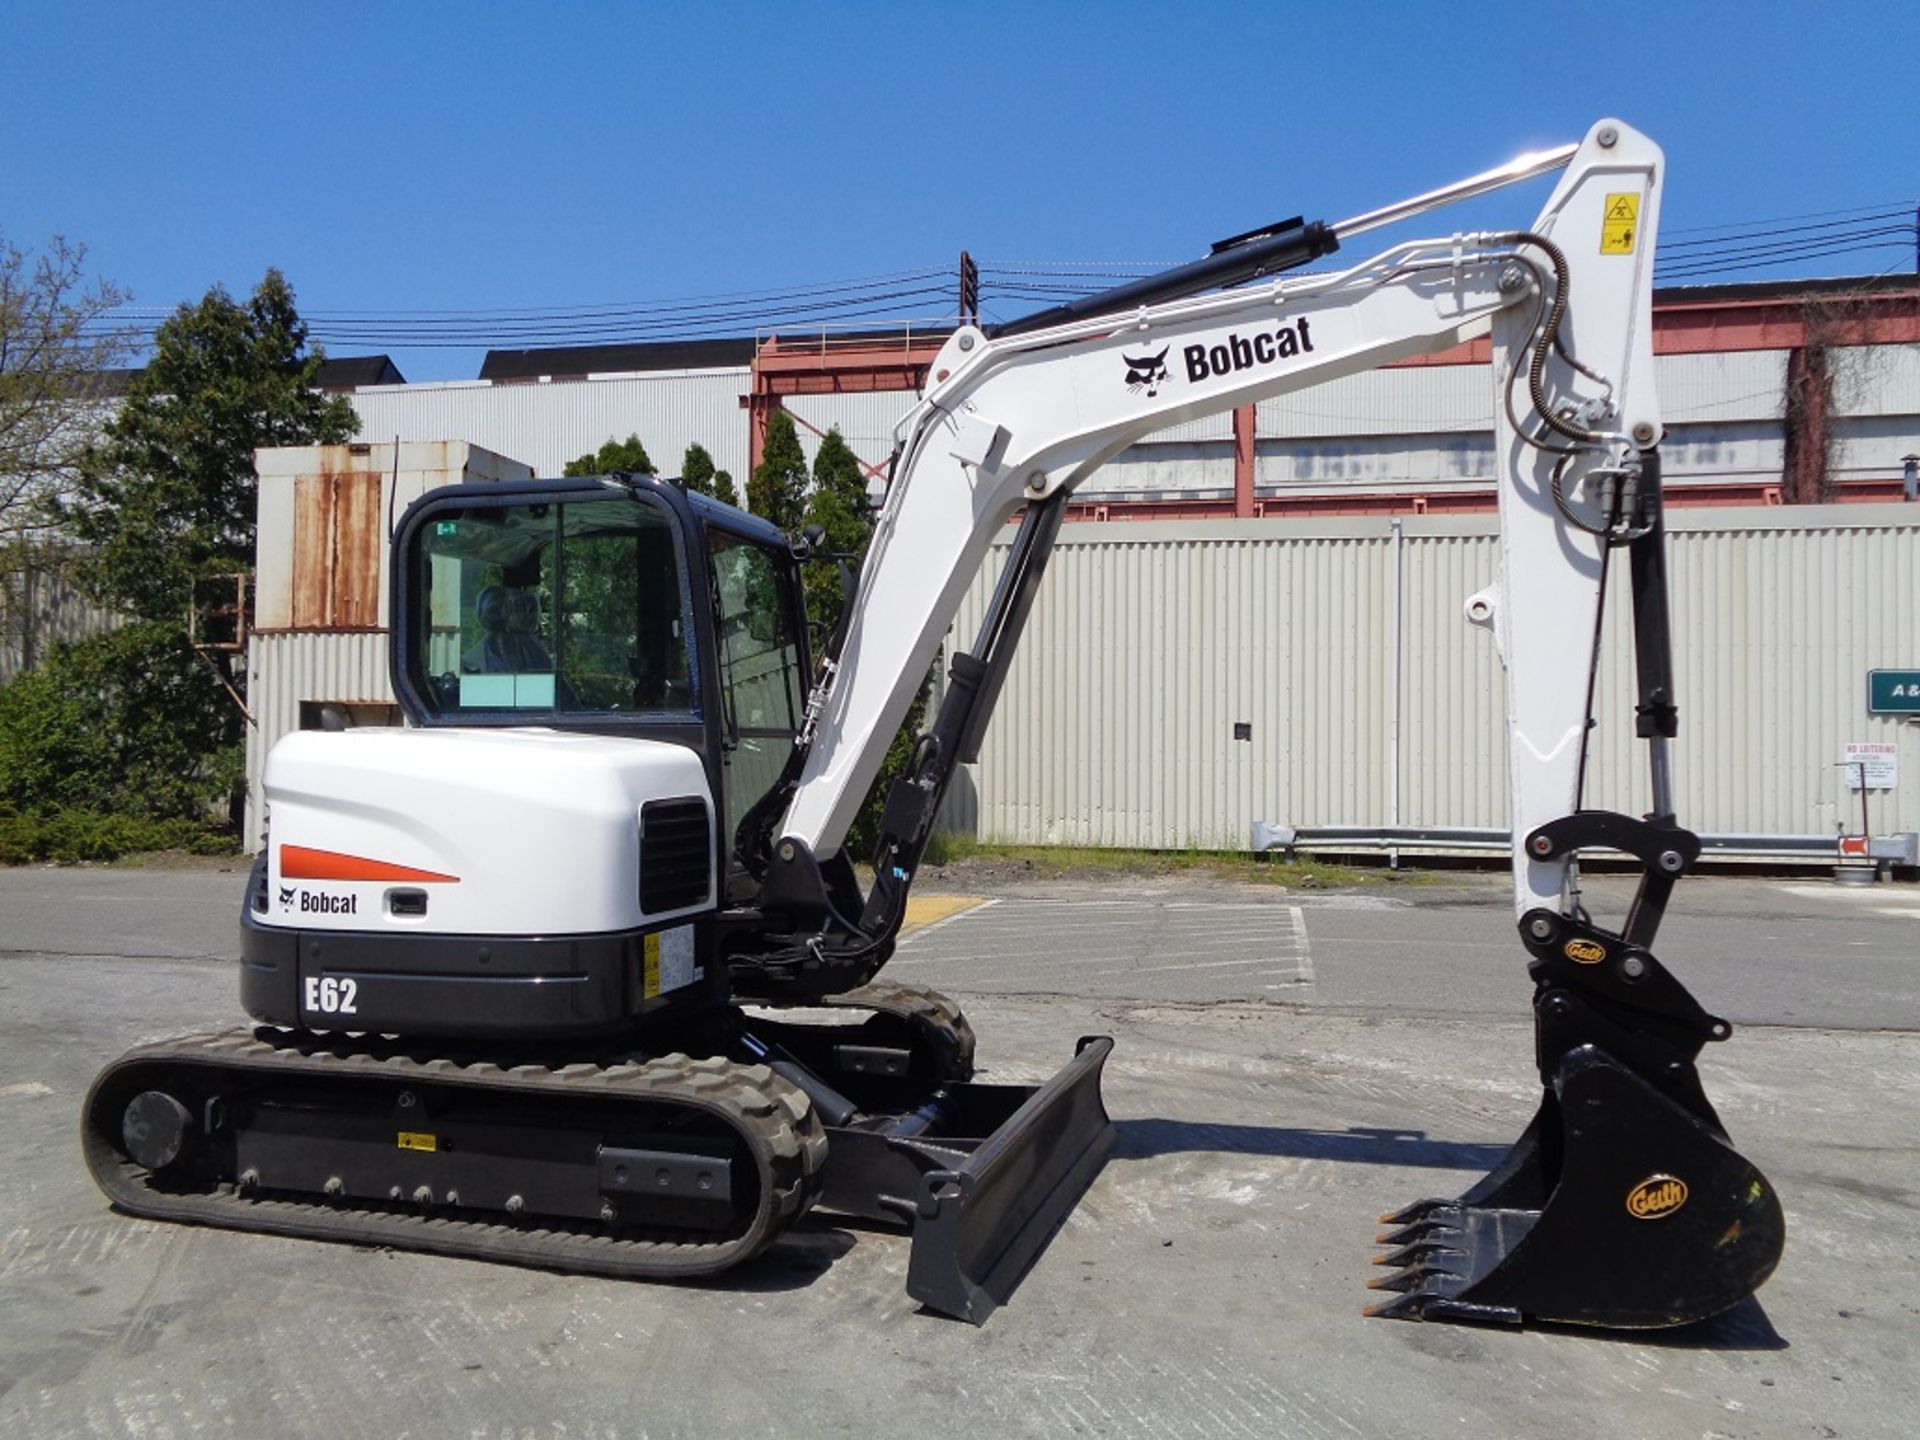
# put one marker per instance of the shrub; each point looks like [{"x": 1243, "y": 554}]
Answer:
[
  {"x": 71, "y": 837},
  {"x": 104, "y": 748}
]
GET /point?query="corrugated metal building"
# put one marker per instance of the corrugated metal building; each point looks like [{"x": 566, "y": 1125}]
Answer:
[
  {"x": 1370, "y": 701},
  {"x": 1423, "y": 427},
  {"x": 41, "y": 607},
  {"x": 1339, "y": 644}
]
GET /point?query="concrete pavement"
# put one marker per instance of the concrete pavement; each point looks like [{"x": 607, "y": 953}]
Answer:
[{"x": 1209, "y": 1284}]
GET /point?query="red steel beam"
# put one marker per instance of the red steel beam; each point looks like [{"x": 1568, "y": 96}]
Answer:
[
  {"x": 1243, "y": 452},
  {"x": 1696, "y": 327},
  {"x": 1704, "y": 494},
  {"x": 827, "y": 366}
]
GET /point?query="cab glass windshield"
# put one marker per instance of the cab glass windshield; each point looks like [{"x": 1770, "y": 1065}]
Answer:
[{"x": 571, "y": 607}]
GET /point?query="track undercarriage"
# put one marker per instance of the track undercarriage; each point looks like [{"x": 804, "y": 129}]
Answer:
[{"x": 623, "y": 1163}]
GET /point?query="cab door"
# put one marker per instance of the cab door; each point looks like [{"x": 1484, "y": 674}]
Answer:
[{"x": 760, "y": 658}]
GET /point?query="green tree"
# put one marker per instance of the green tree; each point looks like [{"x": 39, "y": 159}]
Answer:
[
  {"x": 837, "y": 503},
  {"x": 57, "y": 336},
  {"x": 117, "y": 724},
  {"x": 55, "y": 339},
  {"x": 777, "y": 489},
  {"x": 628, "y": 456},
  {"x": 167, "y": 497},
  {"x": 697, "y": 470}
]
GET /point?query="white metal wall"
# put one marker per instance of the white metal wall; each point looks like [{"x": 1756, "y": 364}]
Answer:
[
  {"x": 40, "y": 608},
  {"x": 546, "y": 425},
  {"x": 1425, "y": 425},
  {"x": 287, "y": 667},
  {"x": 1150, "y": 640}
]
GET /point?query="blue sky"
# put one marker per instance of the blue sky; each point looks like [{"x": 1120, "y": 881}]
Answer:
[{"x": 414, "y": 156}]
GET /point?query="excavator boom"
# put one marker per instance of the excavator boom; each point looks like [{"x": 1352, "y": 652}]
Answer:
[{"x": 1624, "y": 1203}]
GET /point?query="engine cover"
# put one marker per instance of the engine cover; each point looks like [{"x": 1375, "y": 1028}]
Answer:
[{"x": 509, "y": 832}]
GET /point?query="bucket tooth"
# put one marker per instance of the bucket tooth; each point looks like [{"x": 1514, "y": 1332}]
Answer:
[
  {"x": 1419, "y": 1210},
  {"x": 1418, "y": 1252},
  {"x": 1418, "y": 1231},
  {"x": 1415, "y": 1277},
  {"x": 1399, "y": 1307}
]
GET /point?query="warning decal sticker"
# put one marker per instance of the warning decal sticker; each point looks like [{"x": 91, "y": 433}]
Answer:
[{"x": 1620, "y": 224}]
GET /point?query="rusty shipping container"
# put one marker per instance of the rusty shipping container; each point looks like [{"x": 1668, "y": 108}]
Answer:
[{"x": 318, "y": 650}]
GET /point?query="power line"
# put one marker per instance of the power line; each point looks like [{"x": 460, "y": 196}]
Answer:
[
  {"x": 1906, "y": 212},
  {"x": 1778, "y": 219},
  {"x": 904, "y": 295}
]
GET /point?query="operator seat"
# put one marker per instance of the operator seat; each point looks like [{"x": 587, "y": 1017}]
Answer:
[{"x": 510, "y": 616}]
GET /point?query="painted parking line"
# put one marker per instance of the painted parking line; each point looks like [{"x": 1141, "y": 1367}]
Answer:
[
  {"x": 930, "y": 912},
  {"x": 1303, "y": 952}
]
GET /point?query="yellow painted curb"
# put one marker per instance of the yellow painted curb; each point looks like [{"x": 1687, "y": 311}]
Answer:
[{"x": 925, "y": 910}]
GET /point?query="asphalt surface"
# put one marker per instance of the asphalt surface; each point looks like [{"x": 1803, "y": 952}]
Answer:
[
  {"x": 1313, "y": 1059},
  {"x": 1757, "y": 951}
]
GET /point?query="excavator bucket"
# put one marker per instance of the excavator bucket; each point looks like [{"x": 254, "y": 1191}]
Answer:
[
  {"x": 1616, "y": 1208},
  {"x": 1623, "y": 1205}
]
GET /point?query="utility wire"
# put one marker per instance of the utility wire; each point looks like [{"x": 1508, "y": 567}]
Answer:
[{"x": 903, "y": 296}]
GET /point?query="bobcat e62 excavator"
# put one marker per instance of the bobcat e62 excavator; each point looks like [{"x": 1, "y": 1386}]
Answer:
[{"x": 549, "y": 975}]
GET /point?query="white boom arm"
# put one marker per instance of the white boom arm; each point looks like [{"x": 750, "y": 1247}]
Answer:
[{"x": 1015, "y": 420}]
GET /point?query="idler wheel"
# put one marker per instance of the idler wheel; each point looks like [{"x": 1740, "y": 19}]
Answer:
[{"x": 156, "y": 1129}]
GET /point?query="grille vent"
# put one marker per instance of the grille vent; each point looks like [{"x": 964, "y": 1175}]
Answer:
[{"x": 676, "y": 854}]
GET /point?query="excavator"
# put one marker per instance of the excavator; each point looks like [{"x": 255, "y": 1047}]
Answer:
[{"x": 574, "y": 969}]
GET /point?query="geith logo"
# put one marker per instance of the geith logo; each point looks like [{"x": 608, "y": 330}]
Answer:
[
  {"x": 1656, "y": 1197},
  {"x": 1584, "y": 952},
  {"x": 1146, "y": 371},
  {"x": 1240, "y": 353}
]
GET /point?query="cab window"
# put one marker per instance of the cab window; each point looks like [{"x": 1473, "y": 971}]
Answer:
[{"x": 573, "y": 607}]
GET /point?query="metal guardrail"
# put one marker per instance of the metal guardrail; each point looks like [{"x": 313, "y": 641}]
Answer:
[{"x": 1901, "y": 849}]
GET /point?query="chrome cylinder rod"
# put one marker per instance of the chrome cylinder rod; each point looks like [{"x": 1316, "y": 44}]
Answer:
[{"x": 1523, "y": 167}]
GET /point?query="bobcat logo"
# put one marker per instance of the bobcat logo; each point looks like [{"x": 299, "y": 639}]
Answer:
[
  {"x": 286, "y": 897},
  {"x": 1146, "y": 371}
]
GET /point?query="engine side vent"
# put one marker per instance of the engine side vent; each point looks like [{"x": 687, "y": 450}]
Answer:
[{"x": 676, "y": 854}]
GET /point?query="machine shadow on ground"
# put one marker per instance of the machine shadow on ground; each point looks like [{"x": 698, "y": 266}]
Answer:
[
  {"x": 1746, "y": 1327},
  {"x": 1361, "y": 1145}
]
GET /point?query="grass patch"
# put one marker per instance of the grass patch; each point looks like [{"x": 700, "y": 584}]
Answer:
[{"x": 1062, "y": 862}]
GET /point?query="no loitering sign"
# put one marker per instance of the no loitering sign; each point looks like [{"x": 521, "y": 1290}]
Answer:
[{"x": 1872, "y": 765}]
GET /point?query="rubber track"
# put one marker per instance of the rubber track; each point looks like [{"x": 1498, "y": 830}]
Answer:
[
  {"x": 782, "y": 1132},
  {"x": 935, "y": 1016}
]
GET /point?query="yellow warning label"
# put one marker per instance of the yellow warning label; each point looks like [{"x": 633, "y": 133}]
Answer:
[
  {"x": 414, "y": 1140},
  {"x": 650, "y": 983},
  {"x": 1620, "y": 224}
]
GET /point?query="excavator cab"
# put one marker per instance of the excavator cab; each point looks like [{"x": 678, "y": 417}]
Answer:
[{"x": 622, "y": 606}]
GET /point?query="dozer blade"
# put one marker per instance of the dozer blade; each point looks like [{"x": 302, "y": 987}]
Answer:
[
  {"x": 977, "y": 1228},
  {"x": 1616, "y": 1208},
  {"x": 983, "y": 1174}
]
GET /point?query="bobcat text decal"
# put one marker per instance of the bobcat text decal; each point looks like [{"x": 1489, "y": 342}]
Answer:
[{"x": 1240, "y": 353}]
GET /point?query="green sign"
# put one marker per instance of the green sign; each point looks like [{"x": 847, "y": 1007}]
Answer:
[{"x": 1893, "y": 692}]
